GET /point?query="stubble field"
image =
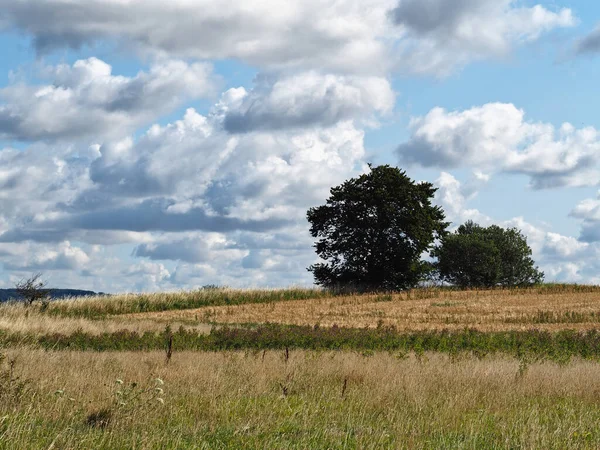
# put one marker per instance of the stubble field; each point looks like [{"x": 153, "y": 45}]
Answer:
[{"x": 500, "y": 310}]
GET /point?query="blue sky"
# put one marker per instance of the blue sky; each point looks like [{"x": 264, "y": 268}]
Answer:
[{"x": 149, "y": 145}]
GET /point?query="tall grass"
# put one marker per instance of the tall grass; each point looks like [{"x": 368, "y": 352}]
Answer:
[
  {"x": 103, "y": 306},
  {"x": 309, "y": 400}
]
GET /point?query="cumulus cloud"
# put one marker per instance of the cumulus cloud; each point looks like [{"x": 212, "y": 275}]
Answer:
[
  {"x": 189, "y": 194},
  {"x": 197, "y": 164},
  {"x": 34, "y": 257},
  {"x": 35, "y": 179},
  {"x": 86, "y": 99},
  {"x": 588, "y": 211},
  {"x": 221, "y": 197},
  {"x": 496, "y": 137},
  {"x": 564, "y": 248},
  {"x": 432, "y": 36},
  {"x": 307, "y": 99},
  {"x": 195, "y": 249},
  {"x": 453, "y": 196},
  {"x": 444, "y": 34},
  {"x": 192, "y": 174},
  {"x": 301, "y": 33}
]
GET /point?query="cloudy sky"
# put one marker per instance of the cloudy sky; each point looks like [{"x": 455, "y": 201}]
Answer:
[{"x": 150, "y": 145}]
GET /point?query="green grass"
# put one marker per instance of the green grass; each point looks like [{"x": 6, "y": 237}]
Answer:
[{"x": 557, "y": 346}]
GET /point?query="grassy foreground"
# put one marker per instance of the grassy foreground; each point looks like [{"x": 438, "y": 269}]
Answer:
[
  {"x": 309, "y": 400},
  {"x": 430, "y": 368}
]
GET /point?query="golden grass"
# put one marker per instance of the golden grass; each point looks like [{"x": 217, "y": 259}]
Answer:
[
  {"x": 495, "y": 310},
  {"x": 96, "y": 315},
  {"x": 245, "y": 400},
  {"x": 159, "y": 301},
  {"x": 482, "y": 310},
  {"x": 15, "y": 318}
]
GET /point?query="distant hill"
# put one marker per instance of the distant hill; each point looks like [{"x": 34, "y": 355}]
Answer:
[{"x": 7, "y": 294}]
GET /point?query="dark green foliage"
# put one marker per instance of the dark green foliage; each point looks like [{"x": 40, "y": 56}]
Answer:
[
  {"x": 373, "y": 230},
  {"x": 476, "y": 256}
]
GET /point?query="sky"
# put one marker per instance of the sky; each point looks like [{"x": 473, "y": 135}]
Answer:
[{"x": 158, "y": 146}]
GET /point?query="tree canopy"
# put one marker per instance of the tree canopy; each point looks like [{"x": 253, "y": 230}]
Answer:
[
  {"x": 373, "y": 230},
  {"x": 476, "y": 256}
]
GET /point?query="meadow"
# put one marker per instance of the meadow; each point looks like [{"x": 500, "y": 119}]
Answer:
[{"x": 303, "y": 368}]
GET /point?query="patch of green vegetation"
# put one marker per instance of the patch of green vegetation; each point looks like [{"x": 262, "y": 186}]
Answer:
[{"x": 559, "y": 346}]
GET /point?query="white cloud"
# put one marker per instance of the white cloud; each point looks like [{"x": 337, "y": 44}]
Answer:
[
  {"x": 564, "y": 247},
  {"x": 453, "y": 197},
  {"x": 87, "y": 100},
  {"x": 188, "y": 195},
  {"x": 496, "y": 137},
  {"x": 444, "y": 34},
  {"x": 341, "y": 35},
  {"x": 588, "y": 211},
  {"x": 308, "y": 99},
  {"x": 36, "y": 257},
  {"x": 432, "y": 36}
]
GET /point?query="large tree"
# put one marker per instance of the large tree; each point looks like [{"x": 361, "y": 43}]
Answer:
[
  {"x": 373, "y": 230},
  {"x": 475, "y": 256}
]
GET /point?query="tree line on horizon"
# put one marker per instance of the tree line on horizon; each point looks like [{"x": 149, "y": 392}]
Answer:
[{"x": 374, "y": 231}]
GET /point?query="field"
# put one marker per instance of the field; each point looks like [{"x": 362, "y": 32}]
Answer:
[
  {"x": 429, "y": 310},
  {"x": 430, "y": 368}
]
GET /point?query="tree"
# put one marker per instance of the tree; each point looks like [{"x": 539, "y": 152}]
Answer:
[
  {"x": 373, "y": 230},
  {"x": 475, "y": 256},
  {"x": 33, "y": 289}
]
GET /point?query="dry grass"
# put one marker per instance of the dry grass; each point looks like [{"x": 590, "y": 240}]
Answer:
[
  {"x": 237, "y": 400},
  {"x": 311, "y": 399},
  {"x": 544, "y": 309},
  {"x": 482, "y": 310},
  {"x": 101, "y": 306},
  {"x": 15, "y": 318},
  {"x": 96, "y": 315}
]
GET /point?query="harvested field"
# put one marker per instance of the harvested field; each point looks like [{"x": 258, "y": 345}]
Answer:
[
  {"x": 426, "y": 310},
  {"x": 15, "y": 318}
]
